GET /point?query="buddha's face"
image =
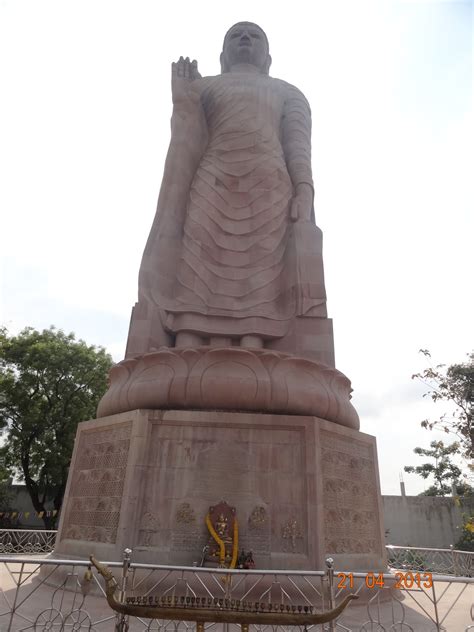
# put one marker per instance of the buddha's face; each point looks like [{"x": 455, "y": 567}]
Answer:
[{"x": 246, "y": 43}]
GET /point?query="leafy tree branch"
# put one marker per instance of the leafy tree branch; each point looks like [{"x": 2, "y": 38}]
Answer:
[
  {"x": 453, "y": 385},
  {"x": 49, "y": 382}
]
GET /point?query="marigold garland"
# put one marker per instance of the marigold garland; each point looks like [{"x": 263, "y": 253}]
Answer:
[{"x": 235, "y": 545}]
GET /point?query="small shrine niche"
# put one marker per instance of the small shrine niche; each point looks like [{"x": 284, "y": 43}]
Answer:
[{"x": 223, "y": 545}]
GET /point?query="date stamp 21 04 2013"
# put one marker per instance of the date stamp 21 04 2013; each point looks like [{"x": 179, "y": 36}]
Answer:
[{"x": 405, "y": 580}]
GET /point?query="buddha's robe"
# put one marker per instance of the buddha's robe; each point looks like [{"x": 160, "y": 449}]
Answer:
[{"x": 223, "y": 261}]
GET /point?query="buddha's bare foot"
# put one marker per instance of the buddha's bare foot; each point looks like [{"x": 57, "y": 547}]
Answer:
[
  {"x": 251, "y": 342},
  {"x": 220, "y": 341},
  {"x": 188, "y": 339}
]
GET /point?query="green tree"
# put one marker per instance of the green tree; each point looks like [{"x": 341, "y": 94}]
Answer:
[
  {"x": 453, "y": 385},
  {"x": 444, "y": 471},
  {"x": 49, "y": 382},
  {"x": 466, "y": 540},
  {"x": 5, "y": 491}
]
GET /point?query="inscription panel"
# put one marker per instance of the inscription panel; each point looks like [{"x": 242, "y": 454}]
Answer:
[
  {"x": 351, "y": 519},
  {"x": 95, "y": 497}
]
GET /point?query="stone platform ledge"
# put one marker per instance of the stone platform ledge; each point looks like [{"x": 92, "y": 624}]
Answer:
[{"x": 229, "y": 378}]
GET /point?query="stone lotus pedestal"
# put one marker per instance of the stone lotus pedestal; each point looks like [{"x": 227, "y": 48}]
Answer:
[
  {"x": 303, "y": 487},
  {"x": 230, "y": 378}
]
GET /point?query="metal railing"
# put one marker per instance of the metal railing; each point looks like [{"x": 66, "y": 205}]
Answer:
[
  {"x": 26, "y": 541},
  {"x": 58, "y": 595},
  {"x": 443, "y": 561}
]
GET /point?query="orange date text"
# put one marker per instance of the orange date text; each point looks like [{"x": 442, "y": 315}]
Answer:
[{"x": 379, "y": 580}]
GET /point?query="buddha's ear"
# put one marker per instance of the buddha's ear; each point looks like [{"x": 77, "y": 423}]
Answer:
[
  {"x": 223, "y": 64},
  {"x": 268, "y": 63}
]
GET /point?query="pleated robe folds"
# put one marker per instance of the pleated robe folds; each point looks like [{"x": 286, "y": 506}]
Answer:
[{"x": 220, "y": 259}]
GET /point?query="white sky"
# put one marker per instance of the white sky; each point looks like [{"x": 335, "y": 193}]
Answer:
[{"x": 84, "y": 129}]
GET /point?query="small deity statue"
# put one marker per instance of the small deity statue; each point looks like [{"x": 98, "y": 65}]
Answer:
[
  {"x": 223, "y": 541},
  {"x": 231, "y": 257},
  {"x": 222, "y": 526}
]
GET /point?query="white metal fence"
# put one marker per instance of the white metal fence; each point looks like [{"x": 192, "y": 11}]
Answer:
[
  {"x": 440, "y": 561},
  {"x": 38, "y": 594},
  {"x": 21, "y": 541}
]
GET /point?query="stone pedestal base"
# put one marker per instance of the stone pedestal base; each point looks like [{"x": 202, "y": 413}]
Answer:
[
  {"x": 304, "y": 489},
  {"x": 229, "y": 378}
]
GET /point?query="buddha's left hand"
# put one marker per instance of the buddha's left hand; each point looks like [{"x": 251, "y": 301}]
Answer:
[{"x": 302, "y": 203}]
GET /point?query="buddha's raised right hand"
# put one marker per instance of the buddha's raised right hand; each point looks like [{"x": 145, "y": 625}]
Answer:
[{"x": 183, "y": 73}]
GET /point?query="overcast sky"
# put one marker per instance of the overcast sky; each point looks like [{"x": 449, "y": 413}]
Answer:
[{"x": 84, "y": 130}]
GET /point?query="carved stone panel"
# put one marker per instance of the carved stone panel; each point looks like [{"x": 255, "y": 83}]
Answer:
[
  {"x": 292, "y": 536},
  {"x": 188, "y": 533},
  {"x": 259, "y": 470},
  {"x": 302, "y": 488},
  {"x": 257, "y": 534},
  {"x": 351, "y": 520},
  {"x": 149, "y": 525},
  {"x": 95, "y": 497}
]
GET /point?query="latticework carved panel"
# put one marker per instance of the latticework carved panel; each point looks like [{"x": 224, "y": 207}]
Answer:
[
  {"x": 95, "y": 496},
  {"x": 351, "y": 517}
]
